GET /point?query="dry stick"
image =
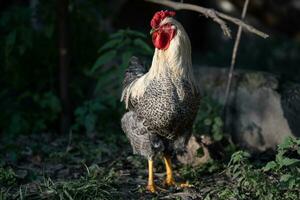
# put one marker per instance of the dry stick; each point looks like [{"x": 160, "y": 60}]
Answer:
[
  {"x": 233, "y": 58},
  {"x": 213, "y": 14}
]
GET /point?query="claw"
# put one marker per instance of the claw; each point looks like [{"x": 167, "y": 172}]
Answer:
[
  {"x": 169, "y": 182},
  {"x": 180, "y": 185},
  {"x": 151, "y": 188},
  {"x": 185, "y": 185},
  {"x": 154, "y": 188}
]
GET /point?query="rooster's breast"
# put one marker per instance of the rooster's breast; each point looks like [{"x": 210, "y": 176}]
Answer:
[{"x": 163, "y": 108}]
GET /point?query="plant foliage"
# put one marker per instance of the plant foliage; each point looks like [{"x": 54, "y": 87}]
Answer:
[
  {"x": 208, "y": 120},
  {"x": 108, "y": 73}
]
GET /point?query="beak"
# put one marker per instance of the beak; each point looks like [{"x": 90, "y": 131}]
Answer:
[{"x": 152, "y": 31}]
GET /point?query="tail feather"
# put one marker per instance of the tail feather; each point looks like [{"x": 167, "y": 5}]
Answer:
[
  {"x": 135, "y": 70},
  {"x": 142, "y": 141}
]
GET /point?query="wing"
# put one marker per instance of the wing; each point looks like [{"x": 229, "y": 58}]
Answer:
[
  {"x": 134, "y": 71},
  {"x": 290, "y": 100}
]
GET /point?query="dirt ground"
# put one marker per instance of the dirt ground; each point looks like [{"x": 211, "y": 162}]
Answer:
[{"x": 45, "y": 166}]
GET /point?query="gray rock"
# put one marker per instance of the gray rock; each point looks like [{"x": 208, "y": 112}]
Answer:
[
  {"x": 257, "y": 118},
  {"x": 190, "y": 157}
]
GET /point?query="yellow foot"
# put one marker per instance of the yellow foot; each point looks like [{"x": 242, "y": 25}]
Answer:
[
  {"x": 170, "y": 183},
  {"x": 185, "y": 185},
  {"x": 151, "y": 188},
  {"x": 154, "y": 188}
]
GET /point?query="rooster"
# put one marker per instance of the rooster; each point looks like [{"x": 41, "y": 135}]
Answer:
[{"x": 162, "y": 103}]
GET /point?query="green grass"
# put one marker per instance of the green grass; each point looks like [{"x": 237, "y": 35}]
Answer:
[
  {"x": 97, "y": 185},
  {"x": 245, "y": 177},
  {"x": 91, "y": 186}
]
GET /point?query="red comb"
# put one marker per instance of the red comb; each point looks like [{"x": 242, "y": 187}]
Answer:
[{"x": 159, "y": 16}]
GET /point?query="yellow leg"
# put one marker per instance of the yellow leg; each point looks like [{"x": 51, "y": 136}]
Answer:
[
  {"x": 151, "y": 186},
  {"x": 170, "y": 179}
]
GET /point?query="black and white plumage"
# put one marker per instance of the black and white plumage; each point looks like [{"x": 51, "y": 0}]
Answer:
[
  {"x": 159, "y": 121},
  {"x": 162, "y": 103},
  {"x": 141, "y": 140}
]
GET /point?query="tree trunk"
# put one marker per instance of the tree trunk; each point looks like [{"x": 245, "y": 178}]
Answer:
[{"x": 64, "y": 62}]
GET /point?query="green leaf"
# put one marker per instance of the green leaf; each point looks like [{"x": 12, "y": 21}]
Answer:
[
  {"x": 238, "y": 157},
  {"x": 110, "y": 44},
  {"x": 289, "y": 161},
  {"x": 292, "y": 182},
  {"x": 142, "y": 44},
  {"x": 279, "y": 157},
  {"x": 287, "y": 142},
  {"x": 207, "y": 122},
  {"x": 136, "y": 33},
  {"x": 125, "y": 60},
  {"x": 270, "y": 165},
  {"x": 285, "y": 177},
  {"x": 120, "y": 33},
  {"x": 104, "y": 58},
  {"x": 217, "y": 136},
  {"x": 126, "y": 43},
  {"x": 218, "y": 121}
]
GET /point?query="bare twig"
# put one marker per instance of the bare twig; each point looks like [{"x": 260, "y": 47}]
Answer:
[
  {"x": 216, "y": 16},
  {"x": 233, "y": 58}
]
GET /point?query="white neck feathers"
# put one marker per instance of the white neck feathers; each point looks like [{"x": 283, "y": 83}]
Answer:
[
  {"x": 175, "y": 61},
  {"x": 177, "y": 58}
]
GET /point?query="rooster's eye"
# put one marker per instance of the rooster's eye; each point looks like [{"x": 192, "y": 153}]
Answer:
[{"x": 168, "y": 27}]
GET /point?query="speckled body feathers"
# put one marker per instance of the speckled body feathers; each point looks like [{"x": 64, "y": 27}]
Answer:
[{"x": 160, "y": 120}]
